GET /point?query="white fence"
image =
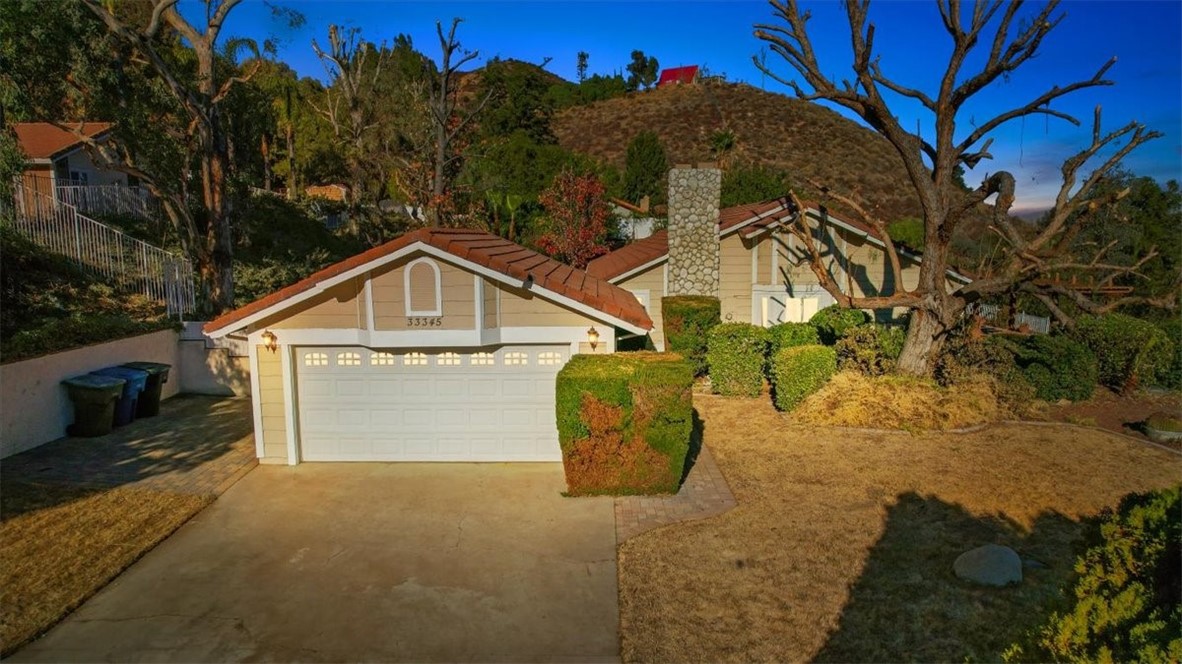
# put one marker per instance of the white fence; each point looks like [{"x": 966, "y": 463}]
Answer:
[
  {"x": 129, "y": 265},
  {"x": 111, "y": 199},
  {"x": 991, "y": 312}
]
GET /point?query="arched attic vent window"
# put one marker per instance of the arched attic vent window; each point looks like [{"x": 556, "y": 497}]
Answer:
[{"x": 423, "y": 292}]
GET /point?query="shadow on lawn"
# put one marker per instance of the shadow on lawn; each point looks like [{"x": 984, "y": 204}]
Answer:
[
  {"x": 189, "y": 431},
  {"x": 695, "y": 446},
  {"x": 908, "y": 605}
]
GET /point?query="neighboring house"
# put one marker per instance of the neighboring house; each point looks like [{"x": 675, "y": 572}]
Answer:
[
  {"x": 58, "y": 158},
  {"x": 441, "y": 345},
  {"x": 678, "y": 76},
  {"x": 332, "y": 192},
  {"x": 746, "y": 256}
]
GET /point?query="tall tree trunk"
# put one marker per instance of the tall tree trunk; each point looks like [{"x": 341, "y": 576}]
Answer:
[
  {"x": 265, "y": 148},
  {"x": 289, "y": 135},
  {"x": 923, "y": 342}
]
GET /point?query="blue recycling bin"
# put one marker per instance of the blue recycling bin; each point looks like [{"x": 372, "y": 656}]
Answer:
[{"x": 136, "y": 380}]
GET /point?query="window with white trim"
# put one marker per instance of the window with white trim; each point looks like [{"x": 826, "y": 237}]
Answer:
[
  {"x": 549, "y": 358},
  {"x": 422, "y": 289},
  {"x": 483, "y": 359},
  {"x": 315, "y": 359},
  {"x": 381, "y": 359},
  {"x": 515, "y": 358},
  {"x": 448, "y": 360},
  {"x": 414, "y": 360},
  {"x": 348, "y": 359}
]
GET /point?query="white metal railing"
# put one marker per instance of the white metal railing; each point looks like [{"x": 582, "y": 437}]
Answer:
[
  {"x": 111, "y": 199},
  {"x": 990, "y": 312},
  {"x": 128, "y": 264}
]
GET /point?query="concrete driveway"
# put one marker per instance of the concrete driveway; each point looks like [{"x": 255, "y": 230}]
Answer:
[{"x": 378, "y": 562}]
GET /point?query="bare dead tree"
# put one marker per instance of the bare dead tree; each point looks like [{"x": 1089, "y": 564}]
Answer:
[
  {"x": 355, "y": 67},
  {"x": 930, "y": 165},
  {"x": 206, "y": 237},
  {"x": 446, "y": 118}
]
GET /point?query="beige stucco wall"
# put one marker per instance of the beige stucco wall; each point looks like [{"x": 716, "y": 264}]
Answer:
[
  {"x": 271, "y": 404},
  {"x": 213, "y": 370},
  {"x": 653, "y": 281},
  {"x": 34, "y": 406}
]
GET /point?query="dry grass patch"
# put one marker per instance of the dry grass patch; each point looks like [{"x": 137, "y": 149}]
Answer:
[
  {"x": 842, "y": 545},
  {"x": 59, "y": 545},
  {"x": 851, "y": 399}
]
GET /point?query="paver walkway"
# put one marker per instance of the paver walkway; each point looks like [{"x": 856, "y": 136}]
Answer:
[
  {"x": 704, "y": 493},
  {"x": 197, "y": 444}
]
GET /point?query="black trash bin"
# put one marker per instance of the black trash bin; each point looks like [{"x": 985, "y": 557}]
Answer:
[
  {"x": 94, "y": 400},
  {"x": 149, "y": 403},
  {"x": 134, "y": 381}
]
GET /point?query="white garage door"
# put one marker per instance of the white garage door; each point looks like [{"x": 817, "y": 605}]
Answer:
[{"x": 494, "y": 404}]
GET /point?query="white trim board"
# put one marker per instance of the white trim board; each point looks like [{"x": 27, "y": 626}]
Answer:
[{"x": 446, "y": 257}]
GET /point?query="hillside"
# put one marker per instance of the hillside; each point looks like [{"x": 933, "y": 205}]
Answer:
[{"x": 806, "y": 139}]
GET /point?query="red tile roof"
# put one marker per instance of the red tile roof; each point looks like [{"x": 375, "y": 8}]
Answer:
[
  {"x": 43, "y": 140},
  {"x": 675, "y": 75},
  {"x": 484, "y": 249},
  {"x": 635, "y": 254}
]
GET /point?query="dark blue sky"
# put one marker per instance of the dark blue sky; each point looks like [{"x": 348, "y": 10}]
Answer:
[{"x": 1146, "y": 37}]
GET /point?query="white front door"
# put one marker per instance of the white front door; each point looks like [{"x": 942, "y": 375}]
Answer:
[{"x": 488, "y": 404}]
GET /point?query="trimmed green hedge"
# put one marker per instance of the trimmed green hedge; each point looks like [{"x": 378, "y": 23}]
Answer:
[
  {"x": 833, "y": 321},
  {"x": 1173, "y": 374},
  {"x": 735, "y": 354},
  {"x": 787, "y": 335},
  {"x": 1057, "y": 366},
  {"x": 799, "y": 371},
  {"x": 687, "y": 320},
  {"x": 1131, "y": 352},
  {"x": 1126, "y": 598},
  {"x": 870, "y": 349},
  {"x": 624, "y": 422}
]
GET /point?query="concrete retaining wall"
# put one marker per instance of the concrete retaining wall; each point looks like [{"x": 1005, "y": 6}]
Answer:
[{"x": 34, "y": 407}]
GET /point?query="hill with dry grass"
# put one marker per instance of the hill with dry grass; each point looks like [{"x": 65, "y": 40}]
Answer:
[{"x": 806, "y": 139}]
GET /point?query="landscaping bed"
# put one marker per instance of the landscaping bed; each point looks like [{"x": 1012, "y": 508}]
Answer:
[
  {"x": 842, "y": 545},
  {"x": 59, "y": 545},
  {"x": 1115, "y": 412}
]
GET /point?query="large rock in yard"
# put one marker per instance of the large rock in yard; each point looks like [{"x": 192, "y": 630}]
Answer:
[{"x": 990, "y": 565}]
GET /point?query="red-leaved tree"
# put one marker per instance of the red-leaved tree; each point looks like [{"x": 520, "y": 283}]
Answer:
[{"x": 575, "y": 224}]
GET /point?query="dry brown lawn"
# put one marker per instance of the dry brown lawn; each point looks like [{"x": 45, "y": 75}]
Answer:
[
  {"x": 841, "y": 547},
  {"x": 60, "y": 545}
]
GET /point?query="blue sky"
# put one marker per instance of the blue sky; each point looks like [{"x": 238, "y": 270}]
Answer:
[{"x": 1146, "y": 37}]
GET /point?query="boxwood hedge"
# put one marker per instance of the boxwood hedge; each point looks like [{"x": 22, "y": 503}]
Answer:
[
  {"x": 624, "y": 422},
  {"x": 687, "y": 321},
  {"x": 735, "y": 354},
  {"x": 799, "y": 371},
  {"x": 1057, "y": 366},
  {"x": 786, "y": 335},
  {"x": 833, "y": 321},
  {"x": 1130, "y": 351}
]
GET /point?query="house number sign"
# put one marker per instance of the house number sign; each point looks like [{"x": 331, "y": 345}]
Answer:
[{"x": 424, "y": 321}]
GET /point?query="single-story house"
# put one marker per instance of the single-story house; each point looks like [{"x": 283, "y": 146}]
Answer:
[
  {"x": 441, "y": 345},
  {"x": 58, "y": 158},
  {"x": 747, "y": 257}
]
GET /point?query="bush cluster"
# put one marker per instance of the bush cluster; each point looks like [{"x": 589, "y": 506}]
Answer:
[
  {"x": 799, "y": 371},
  {"x": 965, "y": 357},
  {"x": 786, "y": 335},
  {"x": 1173, "y": 374},
  {"x": 1130, "y": 351},
  {"x": 833, "y": 321},
  {"x": 1126, "y": 597},
  {"x": 1056, "y": 366},
  {"x": 736, "y": 355},
  {"x": 688, "y": 320},
  {"x": 624, "y": 422},
  {"x": 870, "y": 349}
]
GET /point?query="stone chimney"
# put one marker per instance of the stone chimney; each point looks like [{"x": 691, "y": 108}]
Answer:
[{"x": 693, "y": 229}]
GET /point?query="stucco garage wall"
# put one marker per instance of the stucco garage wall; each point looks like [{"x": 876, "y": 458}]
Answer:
[{"x": 36, "y": 408}]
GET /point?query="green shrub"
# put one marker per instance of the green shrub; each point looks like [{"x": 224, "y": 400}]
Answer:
[
  {"x": 833, "y": 321},
  {"x": 1130, "y": 351},
  {"x": 624, "y": 422},
  {"x": 966, "y": 355},
  {"x": 1173, "y": 374},
  {"x": 735, "y": 354},
  {"x": 799, "y": 371},
  {"x": 1126, "y": 597},
  {"x": 1057, "y": 366},
  {"x": 786, "y": 335},
  {"x": 688, "y": 319},
  {"x": 870, "y": 349},
  {"x": 61, "y": 334}
]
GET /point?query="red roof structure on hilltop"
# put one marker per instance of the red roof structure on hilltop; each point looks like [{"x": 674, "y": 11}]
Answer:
[{"x": 678, "y": 75}]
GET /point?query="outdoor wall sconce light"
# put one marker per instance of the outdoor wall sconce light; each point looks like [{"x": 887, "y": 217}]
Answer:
[
  {"x": 270, "y": 341},
  {"x": 593, "y": 337}
]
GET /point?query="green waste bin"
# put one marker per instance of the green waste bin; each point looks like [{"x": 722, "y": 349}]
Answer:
[
  {"x": 149, "y": 403},
  {"x": 94, "y": 400}
]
